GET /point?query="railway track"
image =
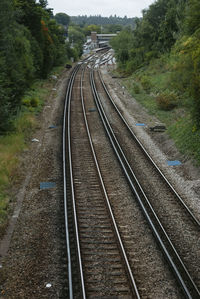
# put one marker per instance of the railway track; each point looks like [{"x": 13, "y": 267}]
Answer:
[
  {"x": 172, "y": 211},
  {"x": 103, "y": 265},
  {"x": 102, "y": 260}
]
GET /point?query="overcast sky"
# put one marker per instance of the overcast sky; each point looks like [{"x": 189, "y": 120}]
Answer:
[{"x": 130, "y": 8}]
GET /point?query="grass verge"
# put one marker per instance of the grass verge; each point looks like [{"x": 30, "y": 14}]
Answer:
[
  {"x": 13, "y": 144},
  {"x": 145, "y": 84}
]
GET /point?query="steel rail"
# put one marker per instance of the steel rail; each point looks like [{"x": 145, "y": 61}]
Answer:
[
  {"x": 121, "y": 246},
  {"x": 66, "y": 127},
  {"x": 66, "y": 130},
  {"x": 65, "y": 113},
  {"x": 188, "y": 290},
  {"x": 65, "y": 189},
  {"x": 148, "y": 156},
  {"x": 73, "y": 194}
]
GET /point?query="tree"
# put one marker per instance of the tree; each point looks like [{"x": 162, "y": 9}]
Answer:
[
  {"x": 192, "y": 16},
  {"x": 16, "y": 63},
  {"x": 99, "y": 20},
  {"x": 46, "y": 44},
  {"x": 62, "y": 18},
  {"x": 76, "y": 38},
  {"x": 31, "y": 43},
  {"x": 122, "y": 44},
  {"x": 88, "y": 29}
]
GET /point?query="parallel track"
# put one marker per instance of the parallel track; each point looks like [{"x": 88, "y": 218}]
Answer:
[
  {"x": 103, "y": 265},
  {"x": 181, "y": 272}
]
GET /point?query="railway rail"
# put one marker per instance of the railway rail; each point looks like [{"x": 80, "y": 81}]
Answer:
[
  {"x": 151, "y": 210},
  {"x": 103, "y": 264},
  {"x": 101, "y": 259}
]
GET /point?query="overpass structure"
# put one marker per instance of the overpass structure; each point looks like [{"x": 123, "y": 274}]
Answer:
[{"x": 100, "y": 40}]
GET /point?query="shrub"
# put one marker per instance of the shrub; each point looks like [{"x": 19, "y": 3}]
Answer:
[
  {"x": 34, "y": 102},
  {"x": 26, "y": 102},
  {"x": 25, "y": 124},
  {"x": 145, "y": 82},
  {"x": 167, "y": 101},
  {"x": 186, "y": 72},
  {"x": 130, "y": 66},
  {"x": 31, "y": 102},
  {"x": 136, "y": 89}
]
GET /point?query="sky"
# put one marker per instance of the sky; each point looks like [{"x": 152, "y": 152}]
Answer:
[{"x": 130, "y": 8}]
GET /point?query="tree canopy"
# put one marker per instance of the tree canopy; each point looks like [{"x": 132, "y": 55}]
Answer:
[
  {"x": 62, "y": 18},
  {"x": 31, "y": 44},
  {"x": 99, "y": 20},
  {"x": 168, "y": 27}
]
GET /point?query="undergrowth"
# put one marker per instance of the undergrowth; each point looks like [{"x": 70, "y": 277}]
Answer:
[
  {"x": 13, "y": 144},
  {"x": 153, "y": 87}
]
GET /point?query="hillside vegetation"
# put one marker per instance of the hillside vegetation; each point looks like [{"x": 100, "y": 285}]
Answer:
[
  {"x": 100, "y": 20},
  {"x": 161, "y": 58},
  {"x": 31, "y": 44},
  {"x": 33, "y": 47}
]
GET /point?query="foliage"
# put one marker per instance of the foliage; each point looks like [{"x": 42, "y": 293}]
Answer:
[
  {"x": 136, "y": 89},
  {"x": 88, "y": 29},
  {"x": 99, "y": 20},
  {"x": 30, "y": 102},
  {"x": 186, "y": 71},
  {"x": 11, "y": 145},
  {"x": 17, "y": 69},
  {"x": 31, "y": 44},
  {"x": 112, "y": 28},
  {"x": 146, "y": 83},
  {"x": 167, "y": 100},
  {"x": 76, "y": 39},
  {"x": 168, "y": 28},
  {"x": 192, "y": 20},
  {"x": 122, "y": 43},
  {"x": 105, "y": 29},
  {"x": 62, "y": 18},
  {"x": 154, "y": 34},
  {"x": 186, "y": 137}
]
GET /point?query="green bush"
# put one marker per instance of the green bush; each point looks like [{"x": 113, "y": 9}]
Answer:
[
  {"x": 31, "y": 102},
  {"x": 167, "y": 101},
  {"x": 136, "y": 89},
  {"x": 186, "y": 70},
  {"x": 130, "y": 66},
  {"x": 26, "y": 102},
  {"x": 146, "y": 83},
  {"x": 34, "y": 102}
]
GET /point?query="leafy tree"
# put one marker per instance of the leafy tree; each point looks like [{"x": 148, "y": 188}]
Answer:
[
  {"x": 99, "y": 20},
  {"x": 62, "y": 18},
  {"x": 47, "y": 38},
  {"x": 31, "y": 43},
  {"x": 88, "y": 29},
  {"x": 17, "y": 70},
  {"x": 112, "y": 28},
  {"x": 30, "y": 15},
  {"x": 43, "y": 3},
  {"x": 76, "y": 38},
  {"x": 122, "y": 44},
  {"x": 154, "y": 34},
  {"x": 192, "y": 16}
]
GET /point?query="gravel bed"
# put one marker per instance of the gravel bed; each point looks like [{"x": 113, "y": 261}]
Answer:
[
  {"x": 35, "y": 264},
  {"x": 183, "y": 233},
  {"x": 150, "y": 270},
  {"x": 185, "y": 177},
  {"x": 98, "y": 244}
]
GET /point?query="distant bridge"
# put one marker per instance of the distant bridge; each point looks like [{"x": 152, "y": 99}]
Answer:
[{"x": 100, "y": 40}]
